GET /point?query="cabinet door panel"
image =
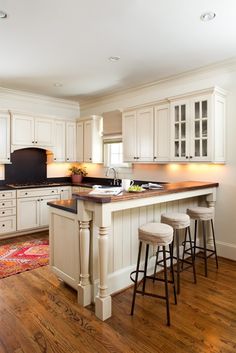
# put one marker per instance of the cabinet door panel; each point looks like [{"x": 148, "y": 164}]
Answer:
[
  {"x": 80, "y": 141},
  {"x": 161, "y": 133},
  {"x": 59, "y": 141},
  {"x": 43, "y": 132},
  {"x": 70, "y": 142},
  {"x": 180, "y": 130},
  {"x": 4, "y": 138},
  {"x": 28, "y": 213},
  {"x": 200, "y": 129},
  {"x": 22, "y": 130},
  {"x": 129, "y": 136},
  {"x": 145, "y": 134},
  {"x": 88, "y": 136}
]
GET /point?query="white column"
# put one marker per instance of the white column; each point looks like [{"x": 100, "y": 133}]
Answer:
[
  {"x": 211, "y": 202},
  {"x": 103, "y": 303},
  {"x": 84, "y": 287}
]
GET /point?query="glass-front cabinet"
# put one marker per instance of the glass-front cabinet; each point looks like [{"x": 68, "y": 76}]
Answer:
[{"x": 198, "y": 127}]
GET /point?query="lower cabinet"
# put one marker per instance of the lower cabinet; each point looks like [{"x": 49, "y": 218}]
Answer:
[
  {"x": 32, "y": 212},
  {"x": 7, "y": 212}
]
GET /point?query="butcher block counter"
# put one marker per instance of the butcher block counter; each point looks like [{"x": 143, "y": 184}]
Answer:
[{"x": 94, "y": 239}]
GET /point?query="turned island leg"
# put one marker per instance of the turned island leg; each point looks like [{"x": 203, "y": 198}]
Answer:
[
  {"x": 84, "y": 287},
  {"x": 103, "y": 300}
]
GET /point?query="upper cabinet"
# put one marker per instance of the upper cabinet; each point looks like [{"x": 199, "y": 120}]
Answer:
[
  {"x": 161, "y": 133},
  {"x": 89, "y": 140},
  {"x": 198, "y": 127},
  {"x": 137, "y": 131},
  {"x": 59, "y": 141},
  {"x": 4, "y": 137},
  {"x": 30, "y": 131}
]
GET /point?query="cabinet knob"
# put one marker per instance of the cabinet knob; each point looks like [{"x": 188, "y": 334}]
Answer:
[
  {"x": 67, "y": 159},
  {"x": 90, "y": 158},
  {"x": 53, "y": 191},
  {"x": 26, "y": 193},
  {"x": 32, "y": 141},
  {"x": 41, "y": 199},
  {"x": 3, "y": 195},
  {"x": 36, "y": 141},
  {"x": 154, "y": 157},
  {"x": 38, "y": 200},
  {"x": 3, "y": 212},
  {"x": 3, "y": 204},
  {"x": 8, "y": 158},
  {"x": 137, "y": 157},
  {"x": 55, "y": 159},
  {"x": 191, "y": 157},
  {"x": 3, "y": 225},
  {"x": 186, "y": 157}
]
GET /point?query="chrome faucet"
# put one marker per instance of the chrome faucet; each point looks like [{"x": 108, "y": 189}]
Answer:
[{"x": 114, "y": 174}]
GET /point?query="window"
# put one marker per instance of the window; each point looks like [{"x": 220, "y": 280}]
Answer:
[{"x": 113, "y": 155}]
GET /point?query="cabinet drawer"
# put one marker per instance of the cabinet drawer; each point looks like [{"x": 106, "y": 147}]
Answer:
[
  {"x": 36, "y": 192},
  {"x": 7, "y": 224},
  {"x": 7, "y": 203},
  {"x": 9, "y": 194},
  {"x": 7, "y": 212}
]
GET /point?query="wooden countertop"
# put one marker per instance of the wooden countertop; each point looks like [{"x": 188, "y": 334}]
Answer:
[{"x": 168, "y": 188}]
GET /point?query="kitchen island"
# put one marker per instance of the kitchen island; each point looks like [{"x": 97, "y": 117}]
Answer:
[{"x": 94, "y": 241}]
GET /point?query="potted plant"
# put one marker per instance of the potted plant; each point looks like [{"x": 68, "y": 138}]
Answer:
[{"x": 77, "y": 173}]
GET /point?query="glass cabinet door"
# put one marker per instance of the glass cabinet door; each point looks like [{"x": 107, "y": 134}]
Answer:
[
  {"x": 200, "y": 129},
  {"x": 180, "y": 131}
]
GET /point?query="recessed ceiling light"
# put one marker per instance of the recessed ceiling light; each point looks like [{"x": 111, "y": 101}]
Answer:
[
  {"x": 114, "y": 58},
  {"x": 207, "y": 16},
  {"x": 58, "y": 84},
  {"x": 3, "y": 14}
]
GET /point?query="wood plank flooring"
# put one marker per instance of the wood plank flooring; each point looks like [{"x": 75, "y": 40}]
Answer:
[{"x": 40, "y": 314}]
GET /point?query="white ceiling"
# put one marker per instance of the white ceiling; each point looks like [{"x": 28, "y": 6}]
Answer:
[{"x": 69, "y": 41}]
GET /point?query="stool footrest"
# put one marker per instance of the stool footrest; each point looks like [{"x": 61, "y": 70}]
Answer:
[{"x": 151, "y": 294}]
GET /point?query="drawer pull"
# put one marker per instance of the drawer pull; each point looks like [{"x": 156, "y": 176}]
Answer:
[
  {"x": 3, "y": 225},
  {"x": 53, "y": 191},
  {"x": 3, "y": 195},
  {"x": 3, "y": 212},
  {"x": 3, "y": 204},
  {"x": 26, "y": 193}
]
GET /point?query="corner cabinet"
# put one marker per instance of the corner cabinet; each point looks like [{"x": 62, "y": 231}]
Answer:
[
  {"x": 89, "y": 140},
  {"x": 198, "y": 127},
  {"x": 4, "y": 138},
  {"x": 137, "y": 127}
]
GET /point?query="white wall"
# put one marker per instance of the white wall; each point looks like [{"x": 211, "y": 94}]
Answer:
[
  {"x": 38, "y": 105},
  {"x": 223, "y": 76}
]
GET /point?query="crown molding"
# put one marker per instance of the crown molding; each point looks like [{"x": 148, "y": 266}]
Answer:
[
  {"x": 29, "y": 96},
  {"x": 224, "y": 66}
]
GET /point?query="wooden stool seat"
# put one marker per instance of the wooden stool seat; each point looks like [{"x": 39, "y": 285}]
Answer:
[
  {"x": 176, "y": 220},
  {"x": 156, "y": 233},
  {"x": 201, "y": 213}
]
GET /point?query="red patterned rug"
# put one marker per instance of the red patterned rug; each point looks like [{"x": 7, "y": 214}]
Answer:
[{"x": 23, "y": 256}]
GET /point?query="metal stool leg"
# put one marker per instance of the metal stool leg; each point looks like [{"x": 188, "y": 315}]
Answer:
[
  {"x": 195, "y": 239},
  {"x": 166, "y": 287},
  {"x": 205, "y": 246},
  {"x": 145, "y": 268},
  {"x": 185, "y": 240},
  {"x": 214, "y": 240},
  {"x": 172, "y": 271},
  {"x": 155, "y": 268},
  {"x": 136, "y": 277},
  {"x": 178, "y": 261},
  {"x": 192, "y": 255}
]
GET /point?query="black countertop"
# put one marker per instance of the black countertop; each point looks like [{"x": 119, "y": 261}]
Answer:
[{"x": 65, "y": 205}]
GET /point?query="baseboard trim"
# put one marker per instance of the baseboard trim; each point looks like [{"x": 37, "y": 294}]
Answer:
[{"x": 226, "y": 250}]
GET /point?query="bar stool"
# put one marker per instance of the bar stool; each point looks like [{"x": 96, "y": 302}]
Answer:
[
  {"x": 205, "y": 215},
  {"x": 160, "y": 235},
  {"x": 180, "y": 221}
]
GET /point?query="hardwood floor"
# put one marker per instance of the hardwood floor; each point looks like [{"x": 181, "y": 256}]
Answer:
[{"x": 39, "y": 314}]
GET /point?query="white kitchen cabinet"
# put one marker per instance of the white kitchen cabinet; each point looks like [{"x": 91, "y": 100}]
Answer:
[
  {"x": 161, "y": 133},
  {"x": 4, "y": 138},
  {"x": 31, "y": 132},
  {"x": 70, "y": 141},
  {"x": 89, "y": 140},
  {"x": 32, "y": 209},
  {"x": 59, "y": 144},
  {"x": 137, "y": 131},
  {"x": 198, "y": 127},
  {"x": 7, "y": 212}
]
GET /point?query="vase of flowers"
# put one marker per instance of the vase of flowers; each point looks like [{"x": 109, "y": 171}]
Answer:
[{"x": 77, "y": 174}]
